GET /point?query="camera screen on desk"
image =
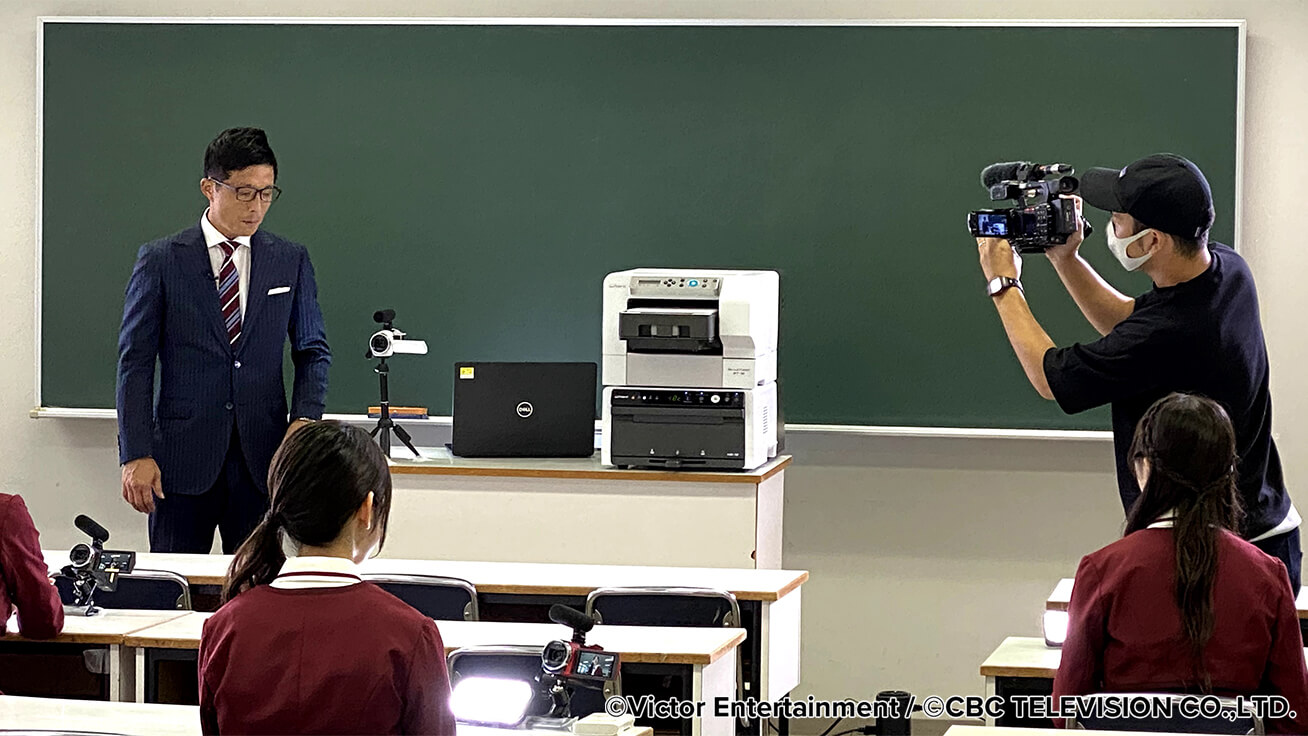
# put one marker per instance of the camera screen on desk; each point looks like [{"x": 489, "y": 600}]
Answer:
[
  {"x": 596, "y": 664},
  {"x": 992, "y": 225}
]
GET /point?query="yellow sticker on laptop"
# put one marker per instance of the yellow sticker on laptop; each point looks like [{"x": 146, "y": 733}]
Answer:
[{"x": 466, "y": 372}]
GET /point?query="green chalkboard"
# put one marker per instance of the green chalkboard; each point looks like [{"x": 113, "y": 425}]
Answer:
[{"x": 482, "y": 179}]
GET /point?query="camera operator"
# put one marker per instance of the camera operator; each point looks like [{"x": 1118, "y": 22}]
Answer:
[{"x": 1197, "y": 331}]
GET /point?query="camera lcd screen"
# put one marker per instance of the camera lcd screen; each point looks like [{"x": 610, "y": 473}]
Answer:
[
  {"x": 992, "y": 225},
  {"x": 596, "y": 664},
  {"x": 116, "y": 561}
]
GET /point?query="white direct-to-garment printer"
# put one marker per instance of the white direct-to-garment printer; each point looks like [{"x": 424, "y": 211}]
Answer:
[{"x": 690, "y": 367}]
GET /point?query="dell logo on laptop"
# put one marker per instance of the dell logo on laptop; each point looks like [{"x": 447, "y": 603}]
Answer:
[{"x": 525, "y": 409}]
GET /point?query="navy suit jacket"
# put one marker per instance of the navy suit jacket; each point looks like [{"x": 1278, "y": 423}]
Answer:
[{"x": 172, "y": 315}]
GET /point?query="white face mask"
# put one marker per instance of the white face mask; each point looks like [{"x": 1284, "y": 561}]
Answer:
[{"x": 1119, "y": 245}]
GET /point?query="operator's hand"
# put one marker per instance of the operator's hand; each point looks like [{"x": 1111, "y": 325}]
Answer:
[
  {"x": 1069, "y": 249},
  {"x": 141, "y": 483},
  {"x": 998, "y": 258}
]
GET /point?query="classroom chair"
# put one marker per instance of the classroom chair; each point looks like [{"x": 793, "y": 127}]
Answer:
[
  {"x": 692, "y": 607},
  {"x": 664, "y": 606},
  {"x": 444, "y": 599},
  {"x": 1246, "y": 723},
  {"x": 154, "y": 590}
]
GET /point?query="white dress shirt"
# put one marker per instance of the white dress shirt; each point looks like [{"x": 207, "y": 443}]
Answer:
[{"x": 240, "y": 257}]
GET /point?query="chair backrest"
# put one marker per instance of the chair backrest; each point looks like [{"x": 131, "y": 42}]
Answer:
[
  {"x": 694, "y": 607},
  {"x": 1230, "y": 721},
  {"x": 506, "y": 661},
  {"x": 154, "y": 590},
  {"x": 444, "y": 599}
]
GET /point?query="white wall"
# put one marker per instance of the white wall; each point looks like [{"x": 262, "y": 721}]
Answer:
[{"x": 924, "y": 553}]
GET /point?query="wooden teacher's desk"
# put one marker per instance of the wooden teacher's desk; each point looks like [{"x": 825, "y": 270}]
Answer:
[{"x": 577, "y": 510}]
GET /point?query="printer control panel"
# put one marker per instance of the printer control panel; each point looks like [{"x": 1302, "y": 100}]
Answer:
[
  {"x": 679, "y": 397},
  {"x": 676, "y": 287}
]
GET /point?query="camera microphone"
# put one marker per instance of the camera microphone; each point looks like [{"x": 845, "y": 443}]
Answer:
[
  {"x": 383, "y": 316},
  {"x": 92, "y": 529},
  {"x": 571, "y": 617},
  {"x": 1020, "y": 170}
]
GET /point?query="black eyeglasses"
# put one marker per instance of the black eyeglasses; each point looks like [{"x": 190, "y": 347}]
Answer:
[{"x": 247, "y": 194}]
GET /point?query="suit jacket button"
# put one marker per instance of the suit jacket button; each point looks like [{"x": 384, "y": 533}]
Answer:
[
  {"x": 237, "y": 364},
  {"x": 228, "y": 406}
]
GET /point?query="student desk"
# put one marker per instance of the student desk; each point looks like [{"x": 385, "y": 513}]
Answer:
[
  {"x": 1023, "y": 666},
  {"x": 578, "y": 510},
  {"x": 704, "y": 659},
  {"x": 140, "y": 719},
  {"x": 1061, "y": 598},
  {"x": 769, "y": 599},
  {"x": 104, "y": 631}
]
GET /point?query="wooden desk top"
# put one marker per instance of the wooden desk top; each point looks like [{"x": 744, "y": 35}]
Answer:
[
  {"x": 1062, "y": 597},
  {"x": 658, "y": 645},
  {"x": 107, "y": 627},
  {"x": 150, "y": 719},
  {"x": 1022, "y": 656},
  {"x": 1026, "y": 656},
  {"x": 518, "y": 578},
  {"x": 439, "y": 461},
  {"x": 129, "y": 719}
]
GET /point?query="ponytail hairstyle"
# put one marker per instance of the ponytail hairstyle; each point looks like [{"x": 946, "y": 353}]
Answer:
[
  {"x": 1189, "y": 445},
  {"x": 319, "y": 478}
]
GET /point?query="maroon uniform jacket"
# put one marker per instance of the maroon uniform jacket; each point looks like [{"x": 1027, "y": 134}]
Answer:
[
  {"x": 342, "y": 660},
  {"x": 1124, "y": 631},
  {"x": 24, "y": 579}
]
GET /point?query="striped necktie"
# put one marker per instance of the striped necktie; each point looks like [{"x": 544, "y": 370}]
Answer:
[{"x": 229, "y": 292}]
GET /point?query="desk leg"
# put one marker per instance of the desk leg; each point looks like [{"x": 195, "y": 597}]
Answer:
[
  {"x": 990, "y": 693},
  {"x": 710, "y": 683},
  {"x": 140, "y": 674},
  {"x": 122, "y": 674},
  {"x": 780, "y": 647}
]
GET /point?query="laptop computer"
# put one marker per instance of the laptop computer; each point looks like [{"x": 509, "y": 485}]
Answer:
[{"x": 524, "y": 409}]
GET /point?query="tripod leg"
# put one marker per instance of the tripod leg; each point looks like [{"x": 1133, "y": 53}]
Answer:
[
  {"x": 407, "y": 440},
  {"x": 374, "y": 431}
]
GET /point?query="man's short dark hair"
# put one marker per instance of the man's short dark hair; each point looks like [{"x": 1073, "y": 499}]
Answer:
[
  {"x": 1190, "y": 247},
  {"x": 235, "y": 149}
]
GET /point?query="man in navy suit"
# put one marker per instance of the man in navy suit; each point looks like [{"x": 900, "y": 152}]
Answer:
[{"x": 214, "y": 305}]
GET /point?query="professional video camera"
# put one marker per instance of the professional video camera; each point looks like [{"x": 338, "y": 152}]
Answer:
[
  {"x": 93, "y": 567},
  {"x": 1042, "y": 218}
]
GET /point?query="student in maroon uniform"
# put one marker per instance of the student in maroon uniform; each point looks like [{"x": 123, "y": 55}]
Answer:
[
  {"x": 24, "y": 579},
  {"x": 302, "y": 645},
  {"x": 1181, "y": 603}
]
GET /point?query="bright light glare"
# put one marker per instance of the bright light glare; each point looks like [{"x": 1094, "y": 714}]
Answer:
[
  {"x": 1055, "y": 625},
  {"x": 490, "y": 700}
]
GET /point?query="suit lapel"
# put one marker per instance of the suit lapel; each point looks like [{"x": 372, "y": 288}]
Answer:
[
  {"x": 197, "y": 272},
  {"x": 261, "y": 263}
]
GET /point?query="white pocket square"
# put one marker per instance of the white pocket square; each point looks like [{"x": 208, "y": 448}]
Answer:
[{"x": 278, "y": 290}]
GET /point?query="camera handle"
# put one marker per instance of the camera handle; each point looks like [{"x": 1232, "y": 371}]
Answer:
[{"x": 384, "y": 423}]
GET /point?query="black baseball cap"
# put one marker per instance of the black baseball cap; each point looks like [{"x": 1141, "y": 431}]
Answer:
[{"x": 1164, "y": 191}]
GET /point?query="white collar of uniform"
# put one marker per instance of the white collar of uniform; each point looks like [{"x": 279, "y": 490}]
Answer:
[
  {"x": 317, "y": 572},
  {"x": 212, "y": 237},
  {"x": 1166, "y": 521}
]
